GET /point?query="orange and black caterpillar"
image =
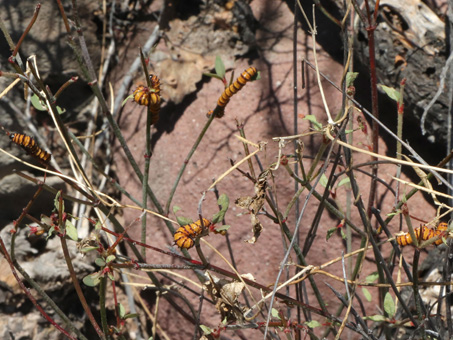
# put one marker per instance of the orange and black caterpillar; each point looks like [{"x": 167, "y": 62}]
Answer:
[
  {"x": 30, "y": 146},
  {"x": 151, "y": 98},
  {"x": 423, "y": 233},
  {"x": 185, "y": 235},
  {"x": 247, "y": 75},
  {"x": 155, "y": 83}
]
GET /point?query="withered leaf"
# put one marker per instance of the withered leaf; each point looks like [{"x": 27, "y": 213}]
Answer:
[{"x": 225, "y": 295}]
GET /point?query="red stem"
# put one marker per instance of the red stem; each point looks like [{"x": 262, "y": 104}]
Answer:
[
  {"x": 30, "y": 25},
  {"x": 78, "y": 289}
]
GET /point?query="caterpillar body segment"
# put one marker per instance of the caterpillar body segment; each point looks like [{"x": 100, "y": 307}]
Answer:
[
  {"x": 246, "y": 76},
  {"x": 30, "y": 145},
  {"x": 185, "y": 235}
]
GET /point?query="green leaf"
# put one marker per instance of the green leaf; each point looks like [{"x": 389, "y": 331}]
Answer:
[
  {"x": 218, "y": 217},
  {"x": 224, "y": 203},
  {"x": 372, "y": 277},
  {"x": 176, "y": 209},
  {"x": 71, "y": 231},
  {"x": 100, "y": 261},
  {"x": 366, "y": 294},
  {"x": 130, "y": 316},
  {"x": 389, "y": 305},
  {"x": 37, "y": 103},
  {"x": 312, "y": 119},
  {"x": 391, "y": 92},
  {"x": 313, "y": 324},
  {"x": 46, "y": 220},
  {"x": 121, "y": 310},
  {"x": 60, "y": 110},
  {"x": 206, "y": 330},
  {"x": 110, "y": 258},
  {"x": 219, "y": 67},
  {"x": 377, "y": 318},
  {"x": 110, "y": 276},
  {"x": 88, "y": 249},
  {"x": 92, "y": 280},
  {"x": 222, "y": 229},
  {"x": 324, "y": 180},
  {"x": 275, "y": 313},
  {"x": 343, "y": 235},
  {"x": 213, "y": 75},
  {"x": 184, "y": 220},
  {"x": 330, "y": 232},
  {"x": 344, "y": 181},
  {"x": 50, "y": 232},
  {"x": 57, "y": 202},
  {"x": 350, "y": 78}
]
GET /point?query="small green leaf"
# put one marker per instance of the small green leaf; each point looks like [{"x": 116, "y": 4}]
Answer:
[
  {"x": 344, "y": 181},
  {"x": 100, "y": 261},
  {"x": 275, "y": 313},
  {"x": 88, "y": 249},
  {"x": 350, "y": 78},
  {"x": 60, "y": 110},
  {"x": 110, "y": 276},
  {"x": 324, "y": 180},
  {"x": 330, "y": 232},
  {"x": 372, "y": 277},
  {"x": 184, "y": 220},
  {"x": 121, "y": 310},
  {"x": 218, "y": 217},
  {"x": 57, "y": 202},
  {"x": 176, "y": 209},
  {"x": 219, "y": 67},
  {"x": 224, "y": 203},
  {"x": 92, "y": 280},
  {"x": 389, "y": 305},
  {"x": 377, "y": 318},
  {"x": 206, "y": 330},
  {"x": 313, "y": 324},
  {"x": 110, "y": 258},
  {"x": 343, "y": 235},
  {"x": 366, "y": 294},
  {"x": 50, "y": 232},
  {"x": 130, "y": 316},
  {"x": 312, "y": 119},
  {"x": 391, "y": 92},
  {"x": 213, "y": 75},
  {"x": 37, "y": 103},
  {"x": 46, "y": 220},
  {"x": 223, "y": 228},
  {"x": 71, "y": 231}
]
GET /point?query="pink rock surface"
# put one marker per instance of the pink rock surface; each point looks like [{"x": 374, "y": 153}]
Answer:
[{"x": 266, "y": 109}]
